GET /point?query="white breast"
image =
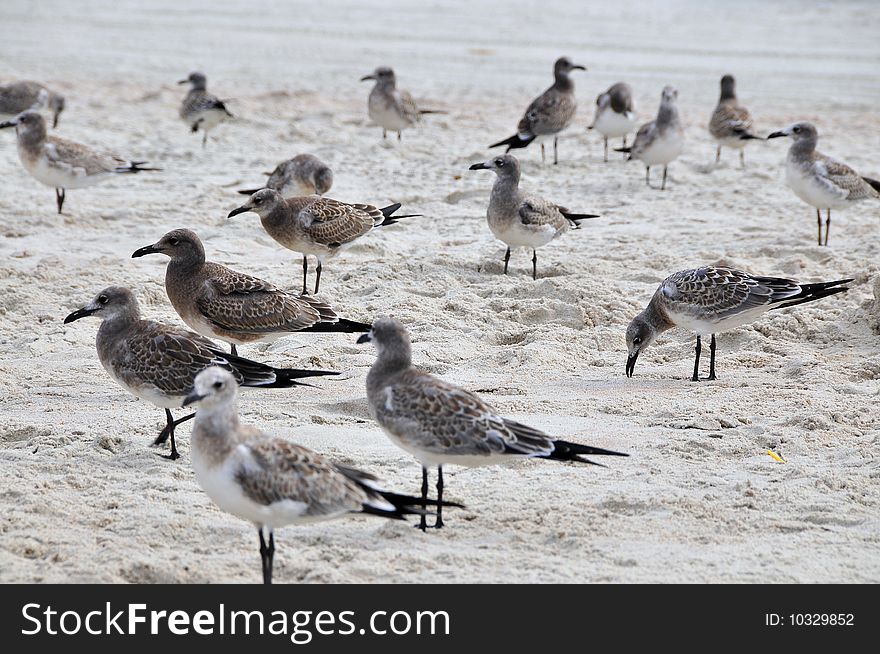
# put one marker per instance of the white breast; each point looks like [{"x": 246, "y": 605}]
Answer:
[
  {"x": 811, "y": 190},
  {"x": 612, "y": 124},
  {"x": 59, "y": 174},
  {"x": 385, "y": 114},
  {"x": 664, "y": 149}
]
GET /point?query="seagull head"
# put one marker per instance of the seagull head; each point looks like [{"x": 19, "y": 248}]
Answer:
[
  {"x": 391, "y": 340},
  {"x": 798, "y": 131},
  {"x": 113, "y": 301},
  {"x": 669, "y": 94},
  {"x": 564, "y": 65},
  {"x": 28, "y": 123},
  {"x": 639, "y": 335},
  {"x": 262, "y": 203},
  {"x": 383, "y": 75},
  {"x": 505, "y": 165},
  {"x": 56, "y": 106},
  {"x": 197, "y": 80},
  {"x": 177, "y": 244},
  {"x": 213, "y": 386}
]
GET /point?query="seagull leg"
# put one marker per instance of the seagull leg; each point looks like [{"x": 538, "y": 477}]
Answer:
[
  {"x": 439, "y": 523},
  {"x": 827, "y": 226},
  {"x": 169, "y": 431},
  {"x": 266, "y": 554},
  {"x": 663, "y": 185},
  {"x": 423, "y": 522},
  {"x": 555, "y": 152},
  {"x": 204, "y": 139},
  {"x": 317, "y": 276},
  {"x": 648, "y": 176},
  {"x": 383, "y": 133},
  {"x": 711, "y": 376},
  {"x": 606, "y": 149},
  {"x": 543, "y": 158},
  {"x": 506, "y": 259},
  {"x": 398, "y": 136},
  {"x": 697, "y": 349},
  {"x": 534, "y": 264},
  {"x": 305, "y": 273},
  {"x": 742, "y": 158},
  {"x": 59, "y": 198},
  {"x": 234, "y": 350},
  {"x": 819, "y": 223},
  {"x": 718, "y": 155}
]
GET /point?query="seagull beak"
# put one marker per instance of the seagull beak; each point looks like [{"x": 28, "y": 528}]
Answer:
[
  {"x": 79, "y": 313},
  {"x": 149, "y": 249},
  {"x": 8, "y": 123},
  {"x": 183, "y": 81},
  {"x": 364, "y": 338},
  {"x": 366, "y": 77},
  {"x": 192, "y": 397},
  {"x": 631, "y": 364},
  {"x": 578, "y": 67},
  {"x": 235, "y": 212},
  {"x": 55, "y": 120},
  {"x": 479, "y": 166},
  {"x": 774, "y": 135}
]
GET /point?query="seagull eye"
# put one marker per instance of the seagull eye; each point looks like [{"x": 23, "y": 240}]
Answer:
[
  {"x": 102, "y": 299},
  {"x": 173, "y": 240},
  {"x": 499, "y": 163},
  {"x": 218, "y": 385},
  {"x": 637, "y": 340},
  {"x": 796, "y": 130}
]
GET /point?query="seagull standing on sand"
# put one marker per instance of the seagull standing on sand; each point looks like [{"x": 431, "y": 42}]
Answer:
[
  {"x": 520, "y": 219},
  {"x": 305, "y": 174},
  {"x": 615, "y": 114},
  {"x": 158, "y": 363},
  {"x": 200, "y": 109},
  {"x": 233, "y": 307},
  {"x": 549, "y": 113},
  {"x": 18, "y": 97},
  {"x": 731, "y": 123},
  {"x": 660, "y": 141},
  {"x": 63, "y": 164},
  {"x": 712, "y": 300},
  {"x": 271, "y": 481},
  {"x": 314, "y": 225},
  {"x": 440, "y": 423},
  {"x": 819, "y": 180},
  {"x": 389, "y": 107}
]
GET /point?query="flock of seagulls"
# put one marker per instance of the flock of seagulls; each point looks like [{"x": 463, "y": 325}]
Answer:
[{"x": 272, "y": 482}]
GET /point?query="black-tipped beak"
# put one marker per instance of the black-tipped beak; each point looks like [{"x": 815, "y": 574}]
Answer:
[
  {"x": 235, "y": 212},
  {"x": 578, "y": 67},
  {"x": 8, "y": 123},
  {"x": 183, "y": 81},
  {"x": 631, "y": 364},
  {"x": 364, "y": 338},
  {"x": 79, "y": 313},
  {"x": 479, "y": 166},
  {"x": 774, "y": 135},
  {"x": 366, "y": 77},
  {"x": 144, "y": 251},
  {"x": 192, "y": 397}
]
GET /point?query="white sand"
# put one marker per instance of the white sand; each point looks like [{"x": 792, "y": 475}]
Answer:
[{"x": 84, "y": 498}]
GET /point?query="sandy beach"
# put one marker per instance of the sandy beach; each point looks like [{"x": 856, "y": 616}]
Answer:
[{"x": 83, "y": 496}]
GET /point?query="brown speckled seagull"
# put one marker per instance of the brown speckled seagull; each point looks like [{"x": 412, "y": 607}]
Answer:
[
  {"x": 25, "y": 95},
  {"x": 158, "y": 363},
  {"x": 314, "y": 225},
  {"x": 304, "y": 174},
  {"x": 731, "y": 123},
  {"x": 220, "y": 303}
]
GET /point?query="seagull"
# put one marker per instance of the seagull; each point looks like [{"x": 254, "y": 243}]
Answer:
[
  {"x": 229, "y": 306},
  {"x": 271, "y": 481},
  {"x": 549, "y": 113},
  {"x": 615, "y": 114},
  {"x": 157, "y": 363},
  {"x": 314, "y": 225},
  {"x": 819, "y": 180},
  {"x": 63, "y": 164},
  {"x": 520, "y": 219},
  {"x": 389, "y": 107},
  {"x": 18, "y": 97},
  {"x": 200, "y": 109},
  {"x": 305, "y": 174},
  {"x": 440, "y": 423},
  {"x": 661, "y": 140},
  {"x": 711, "y": 300},
  {"x": 731, "y": 123}
]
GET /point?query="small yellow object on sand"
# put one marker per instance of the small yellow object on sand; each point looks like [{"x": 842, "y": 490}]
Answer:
[{"x": 776, "y": 456}]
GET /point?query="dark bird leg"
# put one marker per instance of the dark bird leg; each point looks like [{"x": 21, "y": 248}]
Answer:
[
  {"x": 59, "y": 198},
  {"x": 711, "y": 376},
  {"x": 398, "y": 136},
  {"x": 697, "y": 349},
  {"x": 317, "y": 276},
  {"x": 543, "y": 158},
  {"x": 384, "y": 133},
  {"x": 742, "y": 158},
  {"x": 506, "y": 259},
  {"x": 267, "y": 554},
  {"x": 534, "y": 264},
  {"x": 648, "y": 176},
  {"x": 234, "y": 350},
  {"x": 423, "y": 522},
  {"x": 305, "y": 273},
  {"x": 606, "y": 149},
  {"x": 163, "y": 436},
  {"x": 439, "y": 523},
  {"x": 663, "y": 185},
  {"x": 204, "y": 139},
  {"x": 555, "y": 151},
  {"x": 819, "y": 223},
  {"x": 718, "y": 155},
  {"x": 827, "y": 226}
]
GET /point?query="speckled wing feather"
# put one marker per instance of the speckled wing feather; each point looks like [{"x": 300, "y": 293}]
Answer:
[
  {"x": 537, "y": 211},
  {"x": 723, "y": 292},
  {"x": 646, "y": 135},
  {"x": 242, "y": 303},
  {"x": 847, "y": 182},
  {"x": 549, "y": 113},
  {"x": 197, "y": 101},
  {"x": 77, "y": 156},
  {"x": 279, "y": 470},
  {"x": 407, "y": 106},
  {"x": 442, "y": 418},
  {"x": 333, "y": 223}
]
